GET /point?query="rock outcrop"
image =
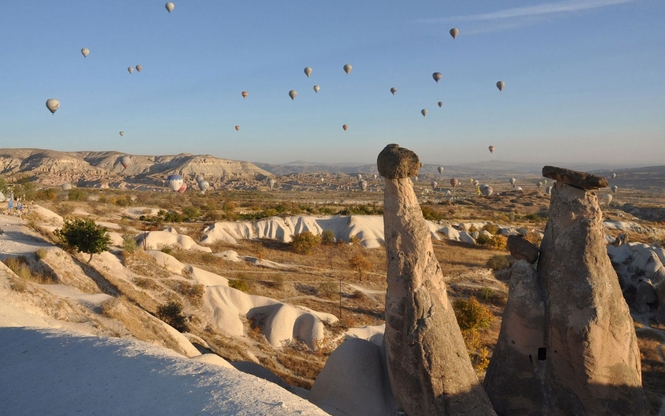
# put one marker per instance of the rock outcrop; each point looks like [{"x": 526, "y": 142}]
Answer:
[
  {"x": 575, "y": 178},
  {"x": 428, "y": 365},
  {"x": 522, "y": 249},
  {"x": 588, "y": 362}
]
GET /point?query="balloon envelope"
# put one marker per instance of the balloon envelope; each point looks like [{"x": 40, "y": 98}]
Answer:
[
  {"x": 363, "y": 185},
  {"x": 423, "y": 112},
  {"x": 182, "y": 188},
  {"x": 245, "y": 94},
  {"x": 316, "y": 88},
  {"x": 271, "y": 183},
  {"x": 454, "y": 32},
  {"x": 125, "y": 161},
  {"x": 203, "y": 185},
  {"x": 440, "y": 104},
  {"x": 434, "y": 184},
  {"x": 607, "y": 198},
  {"x": 500, "y": 85},
  {"x": 486, "y": 190},
  {"x": 347, "y": 69},
  {"x": 491, "y": 148},
  {"x": 345, "y": 127},
  {"x": 440, "y": 169},
  {"x": 512, "y": 181},
  {"x": 393, "y": 90},
  {"x": 437, "y": 76},
  {"x": 293, "y": 94},
  {"x": 122, "y": 133},
  {"x": 174, "y": 182},
  {"x": 548, "y": 190},
  {"x": 237, "y": 128},
  {"x": 139, "y": 67},
  {"x": 614, "y": 189},
  {"x": 169, "y": 6},
  {"x": 454, "y": 182},
  {"x": 308, "y": 71},
  {"x": 52, "y": 104},
  {"x": 130, "y": 69},
  {"x": 199, "y": 177},
  {"x": 85, "y": 52},
  {"x": 66, "y": 186}
]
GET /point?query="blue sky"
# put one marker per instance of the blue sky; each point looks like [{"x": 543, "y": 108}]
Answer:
[{"x": 585, "y": 79}]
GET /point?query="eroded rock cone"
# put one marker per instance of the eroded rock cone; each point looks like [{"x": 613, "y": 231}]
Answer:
[
  {"x": 593, "y": 362},
  {"x": 428, "y": 365},
  {"x": 515, "y": 378},
  {"x": 522, "y": 249}
]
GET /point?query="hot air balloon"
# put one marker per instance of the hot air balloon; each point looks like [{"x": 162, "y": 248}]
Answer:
[
  {"x": 174, "y": 182},
  {"x": 454, "y": 182},
  {"x": 139, "y": 67},
  {"x": 500, "y": 85},
  {"x": 169, "y": 6},
  {"x": 548, "y": 190},
  {"x": 614, "y": 175},
  {"x": 293, "y": 94},
  {"x": 486, "y": 190},
  {"x": 66, "y": 186},
  {"x": 347, "y": 69},
  {"x": 182, "y": 189},
  {"x": 130, "y": 69},
  {"x": 308, "y": 71},
  {"x": 614, "y": 189},
  {"x": 316, "y": 88},
  {"x": 437, "y": 76},
  {"x": 512, "y": 181},
  {"x": 375, "y": 176},
  {"x": 237, "y": 128},
  {"x": 434, "y": 184},
  {"x": 245, "y": 94},
  {"x": 199, "y": 177},
  {"x": 121, "y": 133},
  {"x": 440, "y": 169},
  {"x": 203, "y": 186},
  {"x": 440, "y": 104},
  {"x": 607, "y": 198},
  {"x": 447, "y": 193},
  {"x": 476, "y": 182},
  {"x": 517, "y": 188},
  {"x": 271, "y": 183},
  {"x": 359, "y": 176},
  {"x": 393, "y": 90},
  {"x": 491, "y": 148},
  {"x": 345, "y": 127},
  {"x": 423, "y": 112},
  {"x": 52, "y": 104},
  {"x": 415, "y": 178},
  {"x": 539, "y": 184},
  {"x": 85, "y": 52},
  {"x": 125, "y": 161},
  {"x": 363, "y": 185},
  {"x": 454, "y": 32}
]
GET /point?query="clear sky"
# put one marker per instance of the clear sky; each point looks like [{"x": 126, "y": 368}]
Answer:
[{"x": 585, "y": 79}]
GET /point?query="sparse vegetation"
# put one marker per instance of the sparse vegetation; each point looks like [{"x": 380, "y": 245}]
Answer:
[
  {"x": 359, "y": 263},
  {"x": 129, "y": 243},
  {"x": 172, "y": 314},
  {"x": 239, "y": 284},
  {"x": 328, "y": 238},
  {"x": 498, "y": 262},
  {"x": 41, "y": 253},
  {"x": 328, "y": 289},
  {"x": 472, "y": 318}
]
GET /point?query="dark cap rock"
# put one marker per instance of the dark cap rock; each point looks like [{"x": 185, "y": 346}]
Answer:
[
  {"x": 522, "y": 249},
  {"x": 575, "y": 178},
  {"x": 396, "y": 162}
]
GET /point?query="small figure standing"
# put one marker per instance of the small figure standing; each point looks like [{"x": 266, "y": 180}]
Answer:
[
  {"x": 19, "y": 207},
  {"x": 10, "y": 206}
]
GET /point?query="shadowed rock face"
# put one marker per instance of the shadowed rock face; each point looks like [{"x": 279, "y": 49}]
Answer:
[
  {"x": 428, "y": 365},
  {"x": 575, "y": 178},
  {"x": 593, "y": 362}
]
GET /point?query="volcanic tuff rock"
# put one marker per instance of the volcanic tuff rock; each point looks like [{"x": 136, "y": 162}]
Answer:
[
  {"x": 593, "y": 362},
  {"x": 522, "y": 249},
  {"x": 575, "y": 178},
  {"x": 428, "y": 365}
]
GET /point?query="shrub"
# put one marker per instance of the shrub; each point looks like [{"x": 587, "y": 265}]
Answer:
[
  {"x": 360, "y": 263},
  {"x": 41, "y": 253},
  {"x": 305, "y": 242},
  {"x": 328, "y": 237},
  {"x": 498, "y": 262},
  {"x": 191, "y": 212},
  {"x": 19, "y": 265},
  {"x": 431, "y": 214},
  {"x": 239, "y": 284},
  {"x": 83, "y": 235},
  {"x": 171, "y": 313},
  {"x": 19, "y": 285},
  {"x": 485, "y": 294},
  {"x": 77, "y": 194},
  {"x": 166, "y": 249},
  {"x": 484, "y": 240},
  {"x": 328, "y": 289},
  {"x": 46, "y": 195},
  {"x": 129, "y": 243},
  {"x": 278, "y": 282},
  {"x": 491, "y": 228},
  {"x": 499, "y": 242},
  {"x": 472, "y": 315},
  {"x": 473, "y": 229}
]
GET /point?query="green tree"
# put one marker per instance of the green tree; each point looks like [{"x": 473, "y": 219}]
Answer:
[
  {"x": 83, "y": 235},
  {"x": 305, "y": 242}
]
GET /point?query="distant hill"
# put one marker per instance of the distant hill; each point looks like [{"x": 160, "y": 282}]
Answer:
[{"x": 50, "y": 167}]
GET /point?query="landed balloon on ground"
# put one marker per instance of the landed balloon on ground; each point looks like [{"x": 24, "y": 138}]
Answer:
[
  {"x": 437, "y": 76},
  {"x": 393, "y": 90},
  {"x": 293, "y": 94},
  {"x": 174, "y": 182},
  {"x": 347, "y": 69},
  {"x": 500, "y": 85},
  {"x": 85, "y": 52},
  {"x": 52, "y": 104},
  {"x": 454, "y": 32},
  {"x": 308, "y": 71},
  {"x": 169, "y": 6},
  {"x": 486, "y": 190},
  {"x": 316, "y": 89}
]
